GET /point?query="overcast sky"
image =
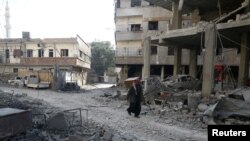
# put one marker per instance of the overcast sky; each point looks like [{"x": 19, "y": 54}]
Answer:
[{"x": 91, "y": 19}]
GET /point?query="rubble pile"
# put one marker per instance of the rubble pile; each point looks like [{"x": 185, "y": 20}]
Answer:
[
  {"x": 52, "y": 124},
  {"x": 231, "y": 107}
]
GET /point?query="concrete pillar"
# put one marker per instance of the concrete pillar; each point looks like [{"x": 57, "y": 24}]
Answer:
[
  {"x": 177, "y": 60},
  {"x": 124, "y": 74},
  {"x": 146, "y": 58},
  {"x": 193, "y": 63},
  {"x": 177, "y": 24},
  {"x": 208, "y": 66},
  {"x": 177, "y": 16},
  {"x": 162, "y": 72},
  {"x": 244, "y": 59}
]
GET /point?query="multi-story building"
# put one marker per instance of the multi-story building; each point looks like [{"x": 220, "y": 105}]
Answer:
[
  {"x": 177, "y": 31},
  {"x": 220, "y": 29},
  {"x": 136, "y": 19},
  {"x": 72, "y": 55}
]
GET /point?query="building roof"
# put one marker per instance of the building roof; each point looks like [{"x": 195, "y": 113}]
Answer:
[
  {"x": 19, "y": 40},
  {"x": 203, "y": 5},
  {"x": 60, "y": 40}
]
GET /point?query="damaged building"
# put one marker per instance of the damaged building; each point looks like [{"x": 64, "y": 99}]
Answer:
[
  {"x": 187, "y": 34},
  {"x": 69, "y": 56}
]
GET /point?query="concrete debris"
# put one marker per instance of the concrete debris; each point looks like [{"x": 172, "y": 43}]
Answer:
[
  {"x": 76, "y": 138},
  {"x": 241, "y": 94},
  {"x": 153, "y": 88},
  {"x": 193, "y": 100},
  {"x": 118, "y": 94},
  {"x": 58, "y": 122},
  {"x": 202, "y": 107},
  {"x": 228, "y": 107},
  {"x": 183, "y": 82},
  {"x": 95, "y": 137},
  {"x": 107, "y": 94},
  {"x": 57, "y": 127},
  {"x": 107, "y": 135}
]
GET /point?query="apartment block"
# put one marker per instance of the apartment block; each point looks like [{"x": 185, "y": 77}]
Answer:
[
  {"x": 71, "y": 55},
  {"x": 163, "y": 23}
]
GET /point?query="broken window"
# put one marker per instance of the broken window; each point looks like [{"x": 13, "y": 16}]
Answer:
[
  {"x": 64, "y": 52},
  {"x": 170, "y": 50},
  {"x": 15, "y": 70},
  {"x": 153, "y": 50},
  {"x": 7, "y": 53},
  {"x": 40, "y": 53},
  {"x": 29, "y": 53},
  {"x": 135, "y": 3},
  {"x": 136, "y": 27},
  {"x": 17, "y": 53},
  {"x": 51, "y": 53},
  {"x": 153, "y": 25}
]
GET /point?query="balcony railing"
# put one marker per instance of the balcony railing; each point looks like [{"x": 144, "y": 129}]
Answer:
[
  {"x": 131, "y": 51},
  {"x": 47, "y": 61}
]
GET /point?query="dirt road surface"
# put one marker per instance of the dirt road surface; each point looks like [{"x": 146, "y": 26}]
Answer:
[{"x": 112, "y": 114}]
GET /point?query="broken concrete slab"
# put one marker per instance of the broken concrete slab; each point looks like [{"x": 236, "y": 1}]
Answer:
[
  {"x": 202, "y": 107},
  {"x": 14, "y": 121},
  {"x": 228, "y": 107},
  {"x": 193, "y": 100},
  {"x": 246, "y": 95},
  {"x": 58, "y": 122}
]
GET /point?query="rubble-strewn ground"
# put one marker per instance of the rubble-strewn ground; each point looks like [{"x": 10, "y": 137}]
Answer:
[{"x": 108, "y": 118}]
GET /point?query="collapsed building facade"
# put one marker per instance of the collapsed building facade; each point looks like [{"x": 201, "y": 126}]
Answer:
[
  {"x": 70, "y": 56},
  {"x": 203, "y": 35}
]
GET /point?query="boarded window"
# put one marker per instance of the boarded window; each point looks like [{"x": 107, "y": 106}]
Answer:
[
  {"x": 17, "y": 53},
  {"x": 64, "y": 52}
]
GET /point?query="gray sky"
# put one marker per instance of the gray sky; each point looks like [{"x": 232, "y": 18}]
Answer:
[{"x": 91, "y": 19}]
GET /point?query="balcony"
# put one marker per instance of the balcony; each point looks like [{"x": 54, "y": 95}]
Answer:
[
  {"x": 129, "y": 36},
  {"x": 128, "y": 12},
  {"x": 124, "y": 60},
  {"x": 61, "y": 61}
]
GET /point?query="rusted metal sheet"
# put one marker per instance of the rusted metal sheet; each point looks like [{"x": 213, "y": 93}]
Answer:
[{"x": 14, "y": 121}]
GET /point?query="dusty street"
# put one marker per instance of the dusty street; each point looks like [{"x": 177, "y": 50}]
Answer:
[{"x": 112, "y": 114}]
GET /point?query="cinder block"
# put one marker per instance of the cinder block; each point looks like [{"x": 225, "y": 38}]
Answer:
[{"x": 14, "y": 121}]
